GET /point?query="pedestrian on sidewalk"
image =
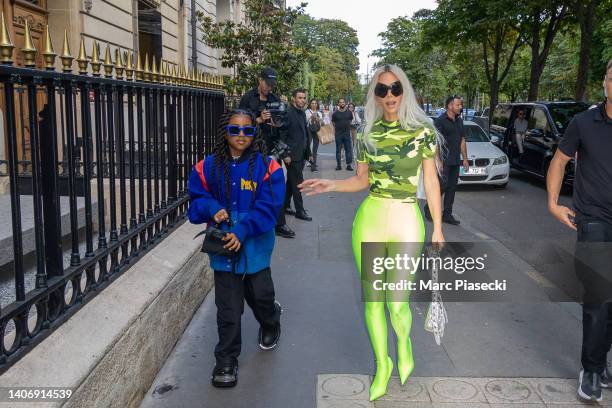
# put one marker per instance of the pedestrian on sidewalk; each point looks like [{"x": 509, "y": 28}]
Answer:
[
  {"x": 397, "y": 144},
  {"x": 588, "y": 138},
  {"x": 297, "y": 138},
  {"x": 450, "y": 126},
  {"x": 259, "y": 101},
  {"x": 326, "y": 115},
  {"x": 240, "y": 188},
  {"x": 342, "y": 119},
  {"x": 314, "y": 119},
  {"x": 354, "y": 123}
]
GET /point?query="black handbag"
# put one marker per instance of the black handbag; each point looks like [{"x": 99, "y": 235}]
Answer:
[
  {"x": 314, "y": 125},
  {"x": 213, "y": 241}
]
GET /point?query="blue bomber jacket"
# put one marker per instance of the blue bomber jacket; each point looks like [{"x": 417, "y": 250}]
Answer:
[{"x": 253, "y": 222}]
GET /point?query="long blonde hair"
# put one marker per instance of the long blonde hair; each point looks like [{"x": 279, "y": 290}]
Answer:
[{"x": 410, "y": 113}]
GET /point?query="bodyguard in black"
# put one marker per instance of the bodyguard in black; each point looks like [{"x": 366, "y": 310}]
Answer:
[
  {"x": 298, "y": 139},
  {"x": 588, "y": 138},
  {"x": 450, "y": 125},
  {"x": 258, "y": 100}
]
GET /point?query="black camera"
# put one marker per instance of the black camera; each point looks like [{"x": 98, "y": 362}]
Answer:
[
  {"x": 278, "y": 111},
  {"x": 280, "y": 151}
]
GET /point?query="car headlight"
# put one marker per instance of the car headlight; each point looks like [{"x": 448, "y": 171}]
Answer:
[{"x": 500, "y": 160}]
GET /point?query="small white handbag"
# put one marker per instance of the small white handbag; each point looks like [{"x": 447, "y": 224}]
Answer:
[{"x": 436, "y": 318}]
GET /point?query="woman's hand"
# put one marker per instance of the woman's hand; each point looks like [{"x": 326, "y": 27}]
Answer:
[
  {"x": 437, "y": 239},
  {"x": 317, "y": 186},
  {"x": 221, "y": 216},
  {"x": 233, "y": 243}
]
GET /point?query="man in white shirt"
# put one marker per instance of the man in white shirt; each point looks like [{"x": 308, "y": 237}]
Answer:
[{"x": 520, "y": 127}]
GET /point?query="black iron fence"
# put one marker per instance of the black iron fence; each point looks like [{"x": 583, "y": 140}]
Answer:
[{"x": 119, "y": 152}]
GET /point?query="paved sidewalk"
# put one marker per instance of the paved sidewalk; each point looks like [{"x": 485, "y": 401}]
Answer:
[
  {"x": 351, "y": 391},
  {"x": 324, "y": 343}
]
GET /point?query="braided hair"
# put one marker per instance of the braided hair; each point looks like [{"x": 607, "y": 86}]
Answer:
[{"x": 222, "y": 158}]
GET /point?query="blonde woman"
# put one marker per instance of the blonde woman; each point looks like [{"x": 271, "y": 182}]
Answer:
[{"x": 397, "y": 144}]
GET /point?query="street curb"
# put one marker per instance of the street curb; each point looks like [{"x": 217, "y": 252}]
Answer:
[{"x": 110, "y": 351}]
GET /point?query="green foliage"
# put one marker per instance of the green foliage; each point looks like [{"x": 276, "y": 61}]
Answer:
[
  {"x": 443, "y": 50},
  {"x": 330, "y": 51},
  {"x": 319, "y": 55},
  {"x": 263, "y": 40}
]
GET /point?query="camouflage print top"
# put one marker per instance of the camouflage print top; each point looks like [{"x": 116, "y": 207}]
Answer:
[{"x": 394, "y": 157}]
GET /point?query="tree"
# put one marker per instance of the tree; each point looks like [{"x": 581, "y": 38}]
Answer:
[
  {"x": 309, "y": 33},
  {"x": 543, "y": 20},
  {"x": 330, "y": 49},
  {"x": 263, "y": 40},
  {"x": 491, "y": 24},
  {"x": 403, "y": 44}
]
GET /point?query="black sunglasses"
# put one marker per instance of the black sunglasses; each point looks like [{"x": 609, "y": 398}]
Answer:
[
  {"x": 234, "y": 130},
  {"x": 382, "y": 90}
]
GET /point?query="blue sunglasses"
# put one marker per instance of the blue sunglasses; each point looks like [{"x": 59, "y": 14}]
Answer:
[{"x": 234, "y": 130}]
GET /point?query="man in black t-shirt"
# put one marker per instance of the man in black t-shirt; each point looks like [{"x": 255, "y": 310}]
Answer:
[
  {"x": 342, "y": 119},
  {"x": 588, "y": 139},
  {"x": 450, "y": 126}
]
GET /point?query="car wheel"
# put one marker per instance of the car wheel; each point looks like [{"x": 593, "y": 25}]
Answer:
[{"x": 501, "y": 186}]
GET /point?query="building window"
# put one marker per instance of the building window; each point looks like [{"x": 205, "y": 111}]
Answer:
[{"x": 149, "y": 30}]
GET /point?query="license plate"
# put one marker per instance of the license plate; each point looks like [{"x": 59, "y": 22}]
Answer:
[{"x": 474, "y": 171}]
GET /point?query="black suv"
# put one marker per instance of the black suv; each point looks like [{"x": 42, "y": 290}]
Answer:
[{"x": 546, "y": 124}]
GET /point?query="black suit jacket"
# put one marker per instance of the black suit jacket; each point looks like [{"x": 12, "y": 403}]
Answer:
[{"x": 297, "y": 136}]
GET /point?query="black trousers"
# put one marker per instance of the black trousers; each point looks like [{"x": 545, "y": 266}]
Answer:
[
  {"x": 295, "y": 176},
  {"x": 450, "y": 177},
  {"x": 594, "y": 268},
  {"x": 344, "y": 140},
  {"x": 231, "y": 290},
  {"x": 315, "y": 145}
]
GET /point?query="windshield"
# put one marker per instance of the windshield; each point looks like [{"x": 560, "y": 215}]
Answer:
[
  {"x": 562, "y": 114},
  {"x": 473, "y": 133}
]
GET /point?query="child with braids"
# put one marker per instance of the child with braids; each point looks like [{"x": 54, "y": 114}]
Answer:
[{"x": 242, "y": 190}]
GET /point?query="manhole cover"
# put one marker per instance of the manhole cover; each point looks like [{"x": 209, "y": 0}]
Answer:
[
  {"x": 455, "y": 389},
  {"x": 343, "y": 386},
  {"x": 509, "y": 390}
]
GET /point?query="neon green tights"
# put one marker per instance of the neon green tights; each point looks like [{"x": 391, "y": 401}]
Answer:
[{"x": 389, "y": 221}]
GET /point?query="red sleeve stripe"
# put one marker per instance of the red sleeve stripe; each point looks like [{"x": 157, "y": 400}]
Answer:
[
  {"x": 271, "y": 169},
  {"x": 200, "y": 170}
]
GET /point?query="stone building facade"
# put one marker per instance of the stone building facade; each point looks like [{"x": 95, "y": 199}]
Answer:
[{"x": 161, "y": 28}]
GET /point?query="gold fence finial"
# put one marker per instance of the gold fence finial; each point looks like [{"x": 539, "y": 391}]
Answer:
[
  {"x": 118, "y": 64},
  {"x": 6, "y": 45},
  {"x": 48, "y": 52},
  {"x": 145, "y": 70},
  {"x": 95, "y": 59},
  {"x": 66, "y": 56},
  {"x": 154, "y": 73},
  {"x": 129, "y": 67},
  {"x": 82, "y": 60},
  {"x": 138, "y": 68},
  {"x": 29, "y": 50},
  {"x": 164, "y": 72},
  {"x": 173, "y": 75},
  {"x": 108, "y": 63}
]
